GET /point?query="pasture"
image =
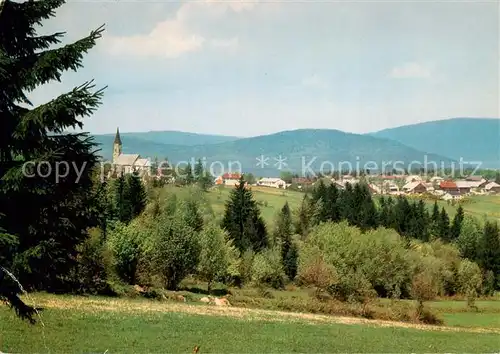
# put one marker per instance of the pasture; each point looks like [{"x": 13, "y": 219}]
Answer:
[
  {"x": 99, "y": 325},
  {"x": 271, "y": 200}
]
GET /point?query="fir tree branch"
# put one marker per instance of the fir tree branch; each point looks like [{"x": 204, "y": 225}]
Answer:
[
  {"x": 31, "y": 71},
  {"x": 59, "y": 114}
]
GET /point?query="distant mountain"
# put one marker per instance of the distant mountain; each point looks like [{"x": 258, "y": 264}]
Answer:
[
  {"x": 473, "y": 139},
  {"x": 169, "y": 137},
  {"x": 301, "y": 151}
]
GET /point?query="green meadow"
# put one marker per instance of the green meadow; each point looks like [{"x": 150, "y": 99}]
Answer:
[{"x": 99, "y": 325}]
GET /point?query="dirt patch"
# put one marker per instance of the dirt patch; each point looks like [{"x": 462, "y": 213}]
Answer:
[{"x": 141, "y": 306}]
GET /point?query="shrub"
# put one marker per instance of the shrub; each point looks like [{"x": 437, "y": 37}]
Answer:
[
  {"x": 488, "y": 288},
  {"x": 93, "y": 262},
  {"x": 470, "y": 281},
  {"x": 424, "y": 287},
  {"x": 377, "y": 260},
  {"x": 244, "y": 268},
  {"x": 267, "y": 269},
  {"x": 124, "y": 243},
  {"x": 217, "y": 254},
  {"x": 175, "y": 251},
  {"x": 313, "y": 269}
]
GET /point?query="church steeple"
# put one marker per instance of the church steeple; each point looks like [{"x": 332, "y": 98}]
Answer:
[
  {"x": 117, "y": 146},
  {"x": 117, "y": 137}
]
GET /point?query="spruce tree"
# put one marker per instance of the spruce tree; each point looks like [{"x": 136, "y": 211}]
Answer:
[
  {"x": 283, "y": 236},
  {"x": 331, "y": 206},
  {"x": 242, "y": 220},
  {"x": 46, "y": 207},
  {"x": 188, "y": 175},
  {"x": 422, "y": 221},
  {"x": 303, "y": 217},
  {"x": 202, "y": 177},
  {"x": 456, "y": 225},
  {"x": 489, "y": 250},
  {"x": 444, "y": 226},
  {"x": 135, "y": 197},
  {"x": 120, "y": 210}
]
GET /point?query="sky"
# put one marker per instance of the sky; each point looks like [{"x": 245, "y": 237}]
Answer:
[{"x": 252, "y": 68}]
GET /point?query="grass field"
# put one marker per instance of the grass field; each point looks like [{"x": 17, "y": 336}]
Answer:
[
  {"x": 99, "y": 325},
  {"x": 272, "y": 200}
]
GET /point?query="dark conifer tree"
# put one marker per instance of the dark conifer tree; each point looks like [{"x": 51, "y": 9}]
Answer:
[
  {"x": 242, "y": 220},
  {"x": 304, "y": 215},
  {"x": 283, "y": 235},
  {"x": 332, "y": 203},
  {"x": 444, "y": 226},
  {"x": 456, "y": 225},
  {"x": 422, "y": 221},
  {"x": 135, "y": 197},
  {"x": 120, "y": 210},
  {"x": 347, "y": 204},
  {"x": 489, "y": 250},
  {"x": 188, "y": 174},
  {"x": 45, "y": 209}
]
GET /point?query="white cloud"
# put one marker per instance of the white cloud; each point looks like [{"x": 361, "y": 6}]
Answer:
[
  {"x": 411, "y": 71},
  {"x": 176, "y": 36},
  {"x": 314, "y": 81}
]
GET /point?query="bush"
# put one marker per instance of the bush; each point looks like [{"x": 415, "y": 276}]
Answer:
[
  {"x": 244, "y": 268},
  {"x": 313, "y": 270},
  {"x": 93, "y": 262},
  {"x": 470, "y": 281},
  {"x": 267, "y": 269},
  {"x": 346, "y": 258},
  {"x": 217, "y": 254},
  {"x": 124, "y": 243},
  {"x": 175, "y": 252}
]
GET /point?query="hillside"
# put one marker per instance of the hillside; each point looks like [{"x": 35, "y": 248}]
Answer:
[
  {"x": 473, "y": 139},
  {"x": 166, "y": 137},
  {"x": 298, "y": 147}
]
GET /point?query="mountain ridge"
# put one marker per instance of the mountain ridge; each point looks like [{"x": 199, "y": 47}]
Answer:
[
  {"x": 472, "y": 139},
  {"x": 309, "y": 150}
]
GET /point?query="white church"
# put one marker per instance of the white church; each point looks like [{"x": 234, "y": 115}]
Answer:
[{"x": 128, "y": 163}]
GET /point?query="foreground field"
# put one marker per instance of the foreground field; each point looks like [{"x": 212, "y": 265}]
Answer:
[{"x": 78, "y": 324}]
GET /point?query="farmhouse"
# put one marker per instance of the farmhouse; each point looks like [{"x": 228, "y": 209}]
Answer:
[
  {"x": 492, "y": 187},
  {"x": 272, "y": 182},
  {"x": 229, "y": 179},
  {"x": 449, "y": 187},
  {"x": 413, "y": 178},
  {"x": 436, "y": 180},
  {"x": 374, "y": 189},
  {"x": 127, "y": 163},
  {"x": 416, "y": 187}
]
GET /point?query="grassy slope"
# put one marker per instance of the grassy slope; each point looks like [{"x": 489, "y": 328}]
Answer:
[
  {"x": 479, "y": 207},
  {"x": 99, "y": 325}
]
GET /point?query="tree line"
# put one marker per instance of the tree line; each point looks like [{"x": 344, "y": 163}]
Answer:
[{"x": 410, "y": 219}]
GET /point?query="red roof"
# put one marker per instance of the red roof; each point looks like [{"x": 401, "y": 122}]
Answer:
[
  {"x": 231, "y": 176},
  {"x": 448, "y": 185}
]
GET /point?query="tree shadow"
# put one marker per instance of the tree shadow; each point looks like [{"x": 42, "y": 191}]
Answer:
[{"x": 197, "y": 290}]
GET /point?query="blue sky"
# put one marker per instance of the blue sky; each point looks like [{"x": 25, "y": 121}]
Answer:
[{"x": 250, "y": 68}]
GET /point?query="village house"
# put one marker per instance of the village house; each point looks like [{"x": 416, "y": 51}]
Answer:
[
  {"x": 416, "y": 187},
  {"x": 436, "y": 180},
  {"x": 228, "y": 179},
  {"x": 413, "y": 178},
  {"x": 127, "y": 163},
  {"x": 449, "y": 187},
  {"x": 272, "y": 182},
  {"x": 492, "y": 187},
  {"x": 374, "y": 189},
  {"x": 389, "y": 187}
]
